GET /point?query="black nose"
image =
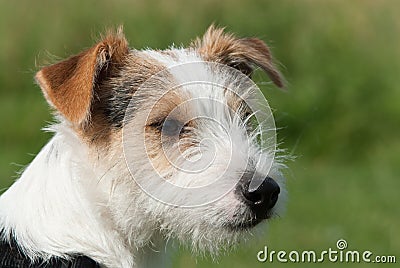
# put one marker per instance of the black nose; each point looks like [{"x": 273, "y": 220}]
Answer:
[{"x": 262, "y": 199}]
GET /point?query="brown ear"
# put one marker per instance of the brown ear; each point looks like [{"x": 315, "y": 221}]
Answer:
[
  {"x": 69, "y": 85},
  {"x": 244, "y": 54}
]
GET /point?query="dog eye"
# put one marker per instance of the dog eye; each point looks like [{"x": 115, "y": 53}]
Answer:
[{"x": 172, "y": 127}]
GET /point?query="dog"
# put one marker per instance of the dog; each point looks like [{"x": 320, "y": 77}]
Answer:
[{"x": 149, "y": 146}]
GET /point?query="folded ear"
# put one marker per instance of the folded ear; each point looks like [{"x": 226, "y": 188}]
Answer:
[
  {"x": 243, "y": 54},
  {"x": 70, "y": 84}
]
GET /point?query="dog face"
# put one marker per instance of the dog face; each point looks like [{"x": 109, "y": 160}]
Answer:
[{"x": 182, "y": 139}]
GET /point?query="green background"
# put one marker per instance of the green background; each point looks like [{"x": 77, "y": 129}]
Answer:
[{"x": 340, "y": 116}]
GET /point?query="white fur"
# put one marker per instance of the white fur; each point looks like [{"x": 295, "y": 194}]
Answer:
[{"x": 58, "y": 206}]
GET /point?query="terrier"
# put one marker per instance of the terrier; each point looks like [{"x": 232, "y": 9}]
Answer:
[{"x": 149, "y": 145}]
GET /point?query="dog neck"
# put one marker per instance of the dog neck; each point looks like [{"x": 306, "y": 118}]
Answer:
[{"x": 60, "y": 207}]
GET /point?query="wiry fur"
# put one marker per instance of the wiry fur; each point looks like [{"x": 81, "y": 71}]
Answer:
[{"x": 78, "y": 195}]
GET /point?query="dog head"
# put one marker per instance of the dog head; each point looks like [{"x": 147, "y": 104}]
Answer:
[{"x": 182, "y": 138}]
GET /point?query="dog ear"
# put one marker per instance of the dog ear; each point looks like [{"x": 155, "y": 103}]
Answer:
[
  {"x": 243, "y": 54},
  {"x": 69, "y": 86}
]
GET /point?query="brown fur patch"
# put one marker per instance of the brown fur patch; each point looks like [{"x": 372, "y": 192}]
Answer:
[
  {"x": 243, "y": 54},
  {"x": 170, "y": 53},
  {"x": 234, "y": 100},
  {"x": 68, "y": 85},
  {"x": 166, "y": 106}
]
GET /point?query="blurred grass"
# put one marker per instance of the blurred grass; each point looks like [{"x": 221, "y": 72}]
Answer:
[{"x": 340, "y": 116}]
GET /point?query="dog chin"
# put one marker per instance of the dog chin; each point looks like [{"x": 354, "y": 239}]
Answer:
[
  {"x": 223, "y": 239},
  {"x": 244, "y": 225},
  {"x": 247, "y": 223}
]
